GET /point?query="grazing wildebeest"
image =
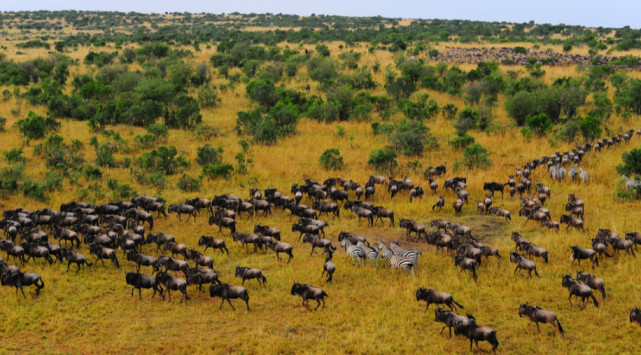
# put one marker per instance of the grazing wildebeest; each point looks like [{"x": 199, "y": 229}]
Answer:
[
  {"x": 433, "y": 185},
  {"x": 431, "y": 296},
  {"x": 281, "y": 247},
  {"x": 201, "y": 259},
  {"x": 457, "y": 205},
  {"x": 594, "y": 282},
  {"x": 634, "y": 237},
  {"x": 440, "y": 203},
  {"x": 211, "y": 242},
  {"x": 172, "y": 282},
  {"x": 228, "y": 292},
  {"x": 501, "y": 212},
  {"x": 328, "y": 266},
  {"x": 635, "y": 316},
  {"x": 579, "y": 254},
  {"x": 75, "y": 258},
  {"x": 538, "y": 315},
  {"x": 140, "y": 281},
  {"x": 141, "y": 259},
  {"x": 308, "y": 292},
  {"x": 579, "y": 290},
  {"x": 477, "y": 333},
  {"x": 247, "y": 274},
  {"x": 449, "y": 318},
  {"x": 19, "y": 279}
]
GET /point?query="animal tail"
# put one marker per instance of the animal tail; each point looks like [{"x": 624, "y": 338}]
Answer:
[
  {"x": 602, "y": 291},
  {"x": 560, "y": 327},
  {"x": 456, "y": 303},
  {"x": 88, "y": 263},
  {"x": 325, "y": 294},
  {"x": 536, "y": 273},
  {"x": 596, "y": 304},
  {"x": 606, "y": 254},
  {"x": 264, "y": 278}
]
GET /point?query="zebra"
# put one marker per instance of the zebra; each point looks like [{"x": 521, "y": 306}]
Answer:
[
  {"x": 412, "y": 254},
  {"x": 573, "y": 173},
  {"x": 584, "y": 175},
  {"x": 355, "y": 251},
  {"x": 631, "y": 184},
  {"x": 396, "y": 261},
  {"x": 371, "y": 253}
]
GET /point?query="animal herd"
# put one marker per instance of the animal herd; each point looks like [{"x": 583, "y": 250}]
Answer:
[{"x": 105, "y": 230}]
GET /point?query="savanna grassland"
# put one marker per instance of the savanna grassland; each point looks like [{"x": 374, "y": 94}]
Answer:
[{"x": 323, "y": 82}]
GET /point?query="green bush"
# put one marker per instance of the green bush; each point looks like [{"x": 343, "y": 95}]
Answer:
[
  {"x": 591, "y": 128},
  {"x": 208, "y": 155},
  {"x": 476, "y": 156},
  {"x": 539, "y": 124},
  {"x": 383, "y": 160},
  {"x": 92, "y": 172},
  {"x": 145, "y": 141},
  {"x": 410, "y": 137},
  {"x": 243, "y": 164},
  {"x": 9, "y": 178},
  {"x": 187, "y": 183},
  {"x": 462, "y": 141},
  {"x": 58, "y": 155},
  {"x": 331, "y": 159},
  {"x": 449, "y": 111},
  {"x": 162, "y": 160},
  {"x": 570, "y": 130},
  {"x": 158, "y": 130},
  {"x": 218, "y": 171},
  {"x": 35, "y": 127},
  {"x": 3, "y": 122},
  {"x": 120, "y": 191},
  {"x": 419, "y": 110},
  {"x": 382, "y": 128},
  {"x": 105, "y": 156},
  {"x": 14, "y": 156},
  {"x": 631, "y": 163},
  {"x": 471, "y": 118}
]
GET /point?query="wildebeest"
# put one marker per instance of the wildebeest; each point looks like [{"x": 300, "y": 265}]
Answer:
[
  {"x": 16, "y": 251},
  {"x": 180, "y": 209},
  {"x": 579, "y": 290},
  {"x": 457, "y": 205},
  {"x": 66, "y": 235},
  {"x": 201, "y": 259},
  {"x": 634, "y": 237},
  {"x": 248, "y": 238},
  {"x": 308, "y": 292},
  {"x": 247, "y": 274},
  {"x": 437, "y": 171},
  {"x": 160, "y": 239},
  {"x": 635, "y": 316},
  {"x": 493, "y": 186},
  {"x": 316, "y": 241},
  {"x": 199, "y": 276},
  {"x": 176, "y": 248},
  {"x": 538, "y": 315},
  {"x": 572, "y": 221},
  {"x": 228, "y": 292},
  {"x": 579, "y": 254},
  {"x": 75, "y": 258},
  {"x": 19, "y": 279},
  {"x": 36, "y": 251},
  {"x": 199, "y": 203},
  {"x": 466, "y": 264},
  {"x": 440, "y": 203},
  {"x": 171, "y": 264},
  {"x": 449, "y": 318},
  {"x": 140, "y": 281},
  {"x": 140, "y": 216},
  {"x": 141, "y": 259},
  {"x": 223, "y": 222},
  {"x": 363, "y": 213},
  {"x": 523, "y": 263},
  {"x": 328, "y": 266},
  {"x": 211, "y": 242},
  {"x": 381, "y": 212},
  {"x": 102, "y": 253},
  {"x": 501, "y": 212},
  {"x": 431, "y": 296},
  {"x": 172, "y": 282},
  {"x": 531, "y": 249},
  {"x": 327, "y": 207},
  {"x": 410, "y": 227},
  {"x": 594, "y": 282},
  {"x": 281, "y": 247},
  {"x": 477, "y": 333}
]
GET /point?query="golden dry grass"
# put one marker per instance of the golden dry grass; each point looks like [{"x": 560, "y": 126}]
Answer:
[{"x": 368, "y": 310}]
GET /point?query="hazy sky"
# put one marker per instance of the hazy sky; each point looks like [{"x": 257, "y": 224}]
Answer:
[{"x": 612, "y": 13}]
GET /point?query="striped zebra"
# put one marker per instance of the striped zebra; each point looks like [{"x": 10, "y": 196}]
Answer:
[
  {"x": 584, "y": 175},
  {"x": 396, "y": 261},
  {"x": 412, "y": 254},
  {"x": 371, "y": 253},
  {"x": 353, "y": 250}
]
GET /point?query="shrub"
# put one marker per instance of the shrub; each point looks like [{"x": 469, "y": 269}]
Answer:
[
  {"x": 383, "y": 160},
  {"x": 58, "y": 155},
  {"x": 570, "y": 130},
  {"x": 35, "y": 127},
  {"x": 105, "y": 156},
  {"x": 631, "y": 162},
  {"x": 591, "y": 128},
  {"x": 3, "y": 122},
  {"x": 539, "y": 124},
  {"x": 218, "y": 171},
  {"x": 120, "y": 191},
  {"x": 187, "y": 183},
  {"x": 382, "y": 128},
  {"x": 145, "y": 141},
  {"x": 449, "y": 111},
  {"x": 159, "y": 130},
  {"x": 91, "y": 172},
  {"x": 476, "y": 156},
  {"x": 331, "y": 159},
  {"x": 419, "y": 110},
  {"x": 209, "y": 155},
  {"x": 410, "y": 137},
  {"x": 9, "y": 178},
  {"x": 243, "y": 164},
  {"x": 462, "y": 141},
  {"x": 162, "y": 160},
  {"x": 471, "y": 118},
  {"x": 14, "y": 156}
]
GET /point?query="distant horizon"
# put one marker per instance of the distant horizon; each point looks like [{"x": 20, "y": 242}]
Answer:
[{"x": 587, "y": 13}]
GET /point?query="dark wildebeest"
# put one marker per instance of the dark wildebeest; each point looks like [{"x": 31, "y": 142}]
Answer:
[
  {"x": 247, "y": 274},
  {"x": 141, "y": 259},
  {"x": 572, "y": 221},
  {"x": 75, "y": 258},
  {"x": 36, "y": 251},
  {"x": 172, "y": 282},
  {"x": 538, "y": 315},
  {"x": 531, "y": 249},
  {"x": 363, "y": 213},
  {"x": 477, "y": 333},
  {"x": 140, "y": 281},
  {"x": 267, "y": 231},
  {"x": 440, "y": 203},
  {"x": 176, "y": 248},
  {"x": 316, "y": 241},
  {"x": 19, "y": 279},
  {"x": 12, "y": 250},
  {"x": 493, "y": 186},
  {"x": 248, "y": 238},
  {"x": 308, "y": 292},
  {"x": 579, "y": 254},
  {"x": 501, "y": 212},
  {"x": 594, "y": 282},
  {"x": 199, "y": 276},
  {"x": 449, "y": 318},
  {"x": 223, "y": 222},
  {"x": 200, "y": 203},
  {"x": 228, "y": 292},
  {"x": 524, "y": 263},
  {"x": 66, "y": 235},
  {"x": 171, "y": 264},
  {"x": 381, "y": 212},
  {"x": 635, "y": 316},
  {"x": 280, "y": 247},
  {"x": 211, "y": 242},
  {"x": 102, "y": 253},
  {"x": 466, "y": 264},
  {"x": 457, "y": 205},
  {"x": 201, "y": 259},
  {"x": 160, "y": 239},
  {"x": 634, "y": 237},
  {"x": 431, "y": 296},
  {"x": 180, "y": 209},
  {"x": 579, "y": 290},
  {"x": 329, "y": 266}
]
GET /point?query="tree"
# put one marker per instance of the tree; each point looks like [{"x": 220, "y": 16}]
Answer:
[
  {"x": 591, "y": 128},
  {"x": 631, "y": 162},
  {"x": 410, "y": 137},
  {"x": 35, "y": 127},
  {"x": 209, "y": 155},
  {"x": 476, "y": 156},
  {"x": 539, "y": 124},
  {"x": 383, "y": 160},
  {"x": 331, "y": 159}
]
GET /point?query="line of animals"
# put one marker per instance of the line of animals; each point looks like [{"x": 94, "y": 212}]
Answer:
[{"x": 120, "y": 225}]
